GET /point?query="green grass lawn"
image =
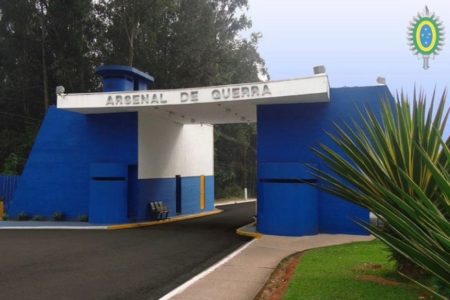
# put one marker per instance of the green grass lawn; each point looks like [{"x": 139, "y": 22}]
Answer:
[{"x": 349, "y": 272}]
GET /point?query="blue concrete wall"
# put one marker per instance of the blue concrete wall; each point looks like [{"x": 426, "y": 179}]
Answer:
[
  {"x": 108, "y": 202},
  {"x": 292, "y": 209},
  {"x": 56, "y": 176},
  {"x": 286, "y": 133},
  {"x": 164, "y": 189},
  {"x": 8, "y": 185},
  {"x": 161, "y": 189},
  {"x": 190, "y": 195}
]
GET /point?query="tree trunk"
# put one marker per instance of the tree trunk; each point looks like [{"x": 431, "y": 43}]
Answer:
[
  {"x": 81, "y": 67},
  {"x": 131, "y": 45},
  {"x": 44, "y": 60}
]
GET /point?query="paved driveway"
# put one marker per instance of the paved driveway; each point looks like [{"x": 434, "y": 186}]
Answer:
[{"x": 141, "y": 263}]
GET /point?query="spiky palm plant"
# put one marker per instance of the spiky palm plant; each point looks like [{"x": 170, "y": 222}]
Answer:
[{"x": 398, "y": 167}]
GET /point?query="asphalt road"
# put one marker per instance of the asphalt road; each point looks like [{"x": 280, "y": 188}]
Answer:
[{"x": 141, "y": 263}]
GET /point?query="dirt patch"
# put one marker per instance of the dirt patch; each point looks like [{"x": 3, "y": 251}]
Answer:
[
  {"x": 362, "y": 270},
  {"x": 367, "y": 266},
  {"x": 373, "y": 266},
  {"x": 378, "y": 279},
  {"x": 278, "y": 282}
]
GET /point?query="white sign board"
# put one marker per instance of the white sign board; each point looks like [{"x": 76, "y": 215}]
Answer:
[
  {"x": 253, "y": 91},
  {"x": 315, "y": 88}
]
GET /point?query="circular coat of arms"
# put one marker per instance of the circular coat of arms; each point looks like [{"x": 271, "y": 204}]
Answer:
[{"x": 426, "y": 36}]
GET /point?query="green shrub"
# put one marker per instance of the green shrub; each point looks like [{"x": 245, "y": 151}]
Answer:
[
  {"x": 23, "y": 216},
  {"x": 233, "y": 191},
  {"x": 398, "y": 167},
  {"x": 58, "y": 216},
  {"x": 38, "y": 218},
  {"x": 5, "y": 217},
  {"x": 11, "y": 165},
  {"x": 83, "y": 218}
]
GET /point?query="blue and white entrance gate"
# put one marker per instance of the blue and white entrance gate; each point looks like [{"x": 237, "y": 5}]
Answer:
[{"x": 108, "y": 154}]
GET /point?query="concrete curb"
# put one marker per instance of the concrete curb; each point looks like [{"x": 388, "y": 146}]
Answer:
[
  {"x": 243, "y": 231},
  {"x": 112, "y": 227},
  {"x": 166, "y": 221},
  {"x": 234, "y": 202},
  {"x": 53, "y": 228}
]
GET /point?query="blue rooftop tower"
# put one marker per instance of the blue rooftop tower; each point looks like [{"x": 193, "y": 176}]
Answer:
[{"x": 118, "y": 78}]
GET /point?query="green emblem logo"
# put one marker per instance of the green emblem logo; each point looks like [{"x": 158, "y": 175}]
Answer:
[{"x": 426, "y": 36}]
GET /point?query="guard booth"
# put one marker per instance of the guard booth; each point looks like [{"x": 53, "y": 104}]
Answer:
[
  {"x": 287, "y": 203},
  {"x": 108, "y": 154},
  {"x": 108, "y": 193}
]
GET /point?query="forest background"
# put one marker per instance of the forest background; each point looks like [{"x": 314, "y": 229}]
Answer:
[{"x": 182, "y": 43}]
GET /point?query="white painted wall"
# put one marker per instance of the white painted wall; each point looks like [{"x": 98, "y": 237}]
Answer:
[{"x": 167, "y": 148}]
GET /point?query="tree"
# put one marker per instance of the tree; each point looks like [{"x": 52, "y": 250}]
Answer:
[
  {"x": 134, "y": 31},
  {"x": 182, "y": 43},
  {"x": 44, "y": 43},
  {"x": 235, "y": 160}
]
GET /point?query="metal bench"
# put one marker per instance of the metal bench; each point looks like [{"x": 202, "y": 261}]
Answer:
[{"x": 158, "y": 210}]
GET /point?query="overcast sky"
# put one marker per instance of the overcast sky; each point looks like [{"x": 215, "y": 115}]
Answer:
[{"x": 356, "y": 40}]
